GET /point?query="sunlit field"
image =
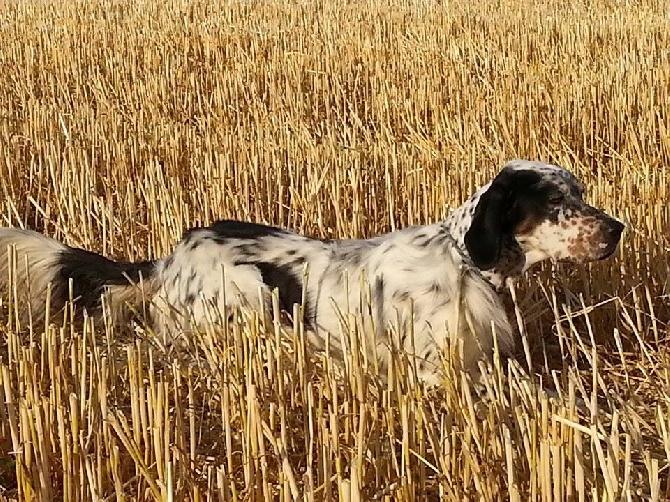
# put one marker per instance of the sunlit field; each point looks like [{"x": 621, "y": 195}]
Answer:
[{"x": 123, "y": 123}]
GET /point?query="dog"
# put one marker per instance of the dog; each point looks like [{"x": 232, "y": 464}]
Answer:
[{"x": 435, "y": 285}]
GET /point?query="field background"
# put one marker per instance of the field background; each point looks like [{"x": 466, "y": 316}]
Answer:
[{"x": 122, "y": 123}]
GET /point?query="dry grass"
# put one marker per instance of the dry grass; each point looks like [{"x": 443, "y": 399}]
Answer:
[{"x": 122, "y": 123}]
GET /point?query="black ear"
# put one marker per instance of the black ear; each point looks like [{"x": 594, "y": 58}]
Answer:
[{"x": 484, "y": 238}]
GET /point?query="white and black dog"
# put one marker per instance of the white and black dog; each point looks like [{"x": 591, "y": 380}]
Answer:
[{"x": 436, "y": 281}]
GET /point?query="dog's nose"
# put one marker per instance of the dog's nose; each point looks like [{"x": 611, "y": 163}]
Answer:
[{"x": 615, "y": 229}]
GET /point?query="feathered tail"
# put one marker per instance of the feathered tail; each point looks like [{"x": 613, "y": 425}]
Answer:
[{"x": 31, "y": 263}]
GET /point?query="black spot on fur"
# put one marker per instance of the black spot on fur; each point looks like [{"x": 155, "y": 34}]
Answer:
[
  {"x": 189, "y": 236},
  {"x": 283, "y": 278},
  {"x": 352, "y": 258},
  {"x": 297, "y": 263},
  {"x": 91, "y": 272},
  {"x": 245, "y": 250},
  {"x": 442, "y": 237},
  {"x": 401, "y": 296},
  {"x": 191, "y": 279},
  {"x": 232, "y": 229},
  {"x": 423, "y": 239},
  {"x": 434, "y": 288}
]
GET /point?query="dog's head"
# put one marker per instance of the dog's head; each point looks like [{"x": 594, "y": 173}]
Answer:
[{"x": 541, "y": 207}]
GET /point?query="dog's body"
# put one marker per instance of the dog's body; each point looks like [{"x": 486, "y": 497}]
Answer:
[
  {"x": 391, "y": 281},
  {"x": 435, "y": 281}
]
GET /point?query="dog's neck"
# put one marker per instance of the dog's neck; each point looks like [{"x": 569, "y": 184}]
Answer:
[{"x": 512, "y": 259}]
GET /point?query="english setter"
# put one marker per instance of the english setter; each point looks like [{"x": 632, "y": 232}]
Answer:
[{"x": 436, "y": 281}]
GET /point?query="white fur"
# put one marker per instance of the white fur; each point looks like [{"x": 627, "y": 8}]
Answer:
[{"x": 28, "y": 264}]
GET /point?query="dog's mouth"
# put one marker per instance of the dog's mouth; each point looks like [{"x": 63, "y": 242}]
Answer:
[
  {"x": 613, "y": 236},
  {"x": 604, "y": 253},
  {"x": 607, "y": 252}
]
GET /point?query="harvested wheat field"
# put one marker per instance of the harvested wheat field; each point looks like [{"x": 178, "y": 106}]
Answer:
[{"x": 123, "y": 123}]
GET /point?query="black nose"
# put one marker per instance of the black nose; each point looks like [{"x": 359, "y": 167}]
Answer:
[{"x": 615, "y": 229}]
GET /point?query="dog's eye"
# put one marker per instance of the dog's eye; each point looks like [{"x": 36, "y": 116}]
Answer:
[{"x": 556, "y": 198}]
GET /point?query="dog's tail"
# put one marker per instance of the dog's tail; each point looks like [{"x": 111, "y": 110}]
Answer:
[{"x": 33, "y": 265}]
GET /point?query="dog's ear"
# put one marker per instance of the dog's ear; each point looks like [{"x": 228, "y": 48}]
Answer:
[{"x": 484, "y": 239}]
